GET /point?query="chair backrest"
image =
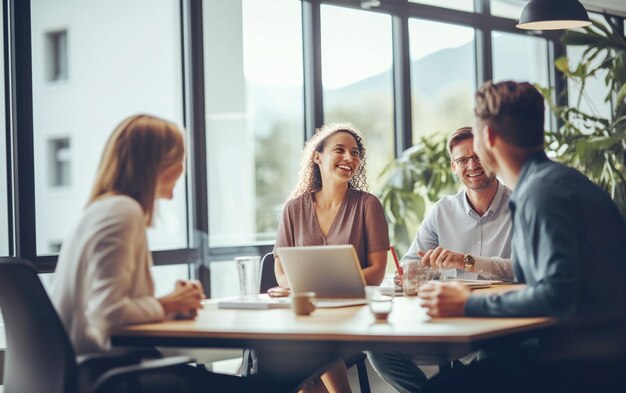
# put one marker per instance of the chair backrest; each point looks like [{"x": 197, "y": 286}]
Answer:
[
  {"x": 39, "y": 355},
  {"x": 268, "y": 278}
]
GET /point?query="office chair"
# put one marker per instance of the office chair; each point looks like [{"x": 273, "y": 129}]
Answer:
[
  {"x": 40, "y": 356},
  {"x": 268, "y": 280}
]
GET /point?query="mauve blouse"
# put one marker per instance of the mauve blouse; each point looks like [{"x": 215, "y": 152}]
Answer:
[{"x": 360, "y": 221}]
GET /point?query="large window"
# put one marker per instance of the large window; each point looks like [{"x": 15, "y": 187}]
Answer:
[
  {"x": 94, "y": 65},
  {"x": 254, "y": 115},
  {"x": 121, "y": 63},
  {"x": 357, "y": 79},
  {"x": 443, "y": 76}
]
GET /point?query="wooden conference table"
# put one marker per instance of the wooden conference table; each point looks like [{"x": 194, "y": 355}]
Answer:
[{"x": 291, "y": 347}]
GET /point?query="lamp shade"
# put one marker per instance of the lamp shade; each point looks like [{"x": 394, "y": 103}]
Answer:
[{"x": 553, "y": 15}]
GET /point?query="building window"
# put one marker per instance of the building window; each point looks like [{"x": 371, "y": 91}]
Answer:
[
  {"x": 56, "y": 48},
  {"x": 59, "y": 159},
  {"x": 55, "y": 247}
]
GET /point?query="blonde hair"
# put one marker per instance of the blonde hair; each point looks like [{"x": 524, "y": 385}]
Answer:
[
  {"x": 310, "y": 178},
  {"x": 140, "y": 148}
]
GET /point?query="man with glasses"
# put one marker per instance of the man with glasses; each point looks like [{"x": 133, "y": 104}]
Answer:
[{"x": 470, "y": 230}]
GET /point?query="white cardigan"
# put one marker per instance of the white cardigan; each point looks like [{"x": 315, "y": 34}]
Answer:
[{"x": 103, "y": 277}]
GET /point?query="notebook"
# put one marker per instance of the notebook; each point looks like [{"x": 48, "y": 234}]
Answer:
[
  {"x": 473, "y": 284},
  {"x": 332, "y": 272},
  {"x": 260, "y": 302}
]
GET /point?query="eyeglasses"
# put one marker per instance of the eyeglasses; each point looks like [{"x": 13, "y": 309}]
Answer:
[{"x": 464, "y": 161}]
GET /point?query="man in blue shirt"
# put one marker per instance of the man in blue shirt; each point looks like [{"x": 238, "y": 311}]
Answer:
[{"x": 568, "y": 247}]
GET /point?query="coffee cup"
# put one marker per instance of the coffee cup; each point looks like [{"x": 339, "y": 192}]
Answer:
[{"x": 303, "y": 303}]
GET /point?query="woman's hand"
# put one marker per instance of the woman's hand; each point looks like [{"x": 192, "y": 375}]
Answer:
[{"x": 185, "y": 300}]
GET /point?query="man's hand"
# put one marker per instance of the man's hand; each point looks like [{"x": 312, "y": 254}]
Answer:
[
  {"x": 444, "y": 299},
  {"x": 184, "y": 301},
  {"x": 441, "y": 258}
]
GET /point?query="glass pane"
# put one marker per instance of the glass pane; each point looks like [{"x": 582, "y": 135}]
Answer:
[
  {"x": 463, "y": 5},
  {"x": 443, "y": 76},
  {"x": 357, "y": 79},
  {"x": 254, "y": 115},
  {"x": 109, "y": 65},
  {"x": 521, "y": 58},
  {"x": 592, "y": 100},
  {"x": 4, "y": 219},
  {"x": 511, "y": 9},
  {"x": 165, "y": 277}
]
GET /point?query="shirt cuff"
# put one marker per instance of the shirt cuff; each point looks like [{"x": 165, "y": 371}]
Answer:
[
  {"x": 474, "y": 306},
  {"x": 483, "y": 265}
]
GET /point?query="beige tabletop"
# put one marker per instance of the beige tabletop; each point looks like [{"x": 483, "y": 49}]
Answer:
[
  {"x": 408, "y": 325},
  {"x": 291, "y": 347}
]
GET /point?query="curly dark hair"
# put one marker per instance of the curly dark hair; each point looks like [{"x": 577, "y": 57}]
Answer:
[{"x": 310, "y": 178}]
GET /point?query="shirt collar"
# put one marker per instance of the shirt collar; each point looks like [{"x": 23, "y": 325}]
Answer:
[
  {"x": 532, "y": 158},
  {"x": 493, "y": 207}
]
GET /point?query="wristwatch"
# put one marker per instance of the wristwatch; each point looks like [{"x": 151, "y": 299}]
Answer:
[{"x": 469, "y": 262}]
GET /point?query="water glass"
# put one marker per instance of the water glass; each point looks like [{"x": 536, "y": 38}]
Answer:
[
  {"x": 379, "y": 301},
  {"x": 249, "y": 282}
]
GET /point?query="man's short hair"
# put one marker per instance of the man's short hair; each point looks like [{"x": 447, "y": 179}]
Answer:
[
  {"x": 515, "y": 111},
  {"x": 458, "y": 136}
]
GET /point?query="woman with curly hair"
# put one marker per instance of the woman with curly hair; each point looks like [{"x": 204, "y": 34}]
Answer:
[{"x": 330, "y": 205}]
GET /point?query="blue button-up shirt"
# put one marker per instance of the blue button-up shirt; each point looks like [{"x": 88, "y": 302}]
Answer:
[{"x": 568, "y": 246}]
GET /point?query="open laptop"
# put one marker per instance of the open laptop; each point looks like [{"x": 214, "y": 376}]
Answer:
[{"x": 332, "y": 272}]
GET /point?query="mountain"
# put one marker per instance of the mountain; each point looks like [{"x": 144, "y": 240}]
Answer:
[{"x": 429, "y": 75}]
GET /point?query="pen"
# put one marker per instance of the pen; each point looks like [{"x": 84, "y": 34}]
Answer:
[{"x": 395, "y": 260}]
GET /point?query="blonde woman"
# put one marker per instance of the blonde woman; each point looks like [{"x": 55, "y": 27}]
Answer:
[
  {"x": 331, "y": 205},
  {"x": 103, "y": 277}
]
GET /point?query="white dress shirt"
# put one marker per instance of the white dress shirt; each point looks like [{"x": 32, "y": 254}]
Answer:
[
  {"x": 103, "y": 277},
  {"x": 454, "y": 225}
]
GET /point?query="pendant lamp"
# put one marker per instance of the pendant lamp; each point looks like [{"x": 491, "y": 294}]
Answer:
[{"x": 553, "y": 15}]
